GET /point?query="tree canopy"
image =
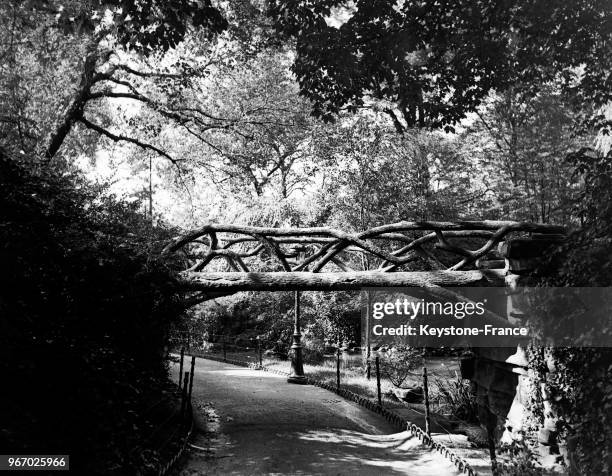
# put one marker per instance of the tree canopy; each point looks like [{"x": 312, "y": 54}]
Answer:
[{"x": 429, "y": 63}]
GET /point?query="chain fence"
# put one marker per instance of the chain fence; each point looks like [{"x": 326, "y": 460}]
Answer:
[
  {"x": 350, "y": 365},
  {"x": 449, "y": 396},
  {"x": 170, "y": 422},
  {"x": 337, "y": 372}
]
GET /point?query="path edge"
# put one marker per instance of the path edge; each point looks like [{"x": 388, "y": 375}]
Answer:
[
  {"x": 165, "y": 468},
  {"x": 392, "y": 417}
]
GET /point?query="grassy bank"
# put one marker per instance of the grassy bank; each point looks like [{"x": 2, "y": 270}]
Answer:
[{"x": 444, "y": 389}]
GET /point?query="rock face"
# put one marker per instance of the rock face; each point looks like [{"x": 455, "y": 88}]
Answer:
[{"x": 500, "y": 375}]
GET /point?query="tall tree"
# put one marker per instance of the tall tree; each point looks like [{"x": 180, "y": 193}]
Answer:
[
  {"x": 268, "y": 126},
  {"x": 521, "y": 144},
  {"x": 100, "y": 34}
]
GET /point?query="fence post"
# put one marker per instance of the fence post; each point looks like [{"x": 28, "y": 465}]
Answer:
[
  {"x": 378, "y": 392},
  {"x": 224, "y": 350},
  {"x": 184, "y": 396},
  {"x": 491, "y": 424},
  {"x": 181, "y": 367},
  {"x": 338, "y": 367},
  {"x": 259, "y": 352},
  {"x": 426, "y": 395},
  {"x": 193, "y": 359}
]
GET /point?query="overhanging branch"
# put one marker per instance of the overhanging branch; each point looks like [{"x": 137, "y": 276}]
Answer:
[{"x": 122, "y": 138}]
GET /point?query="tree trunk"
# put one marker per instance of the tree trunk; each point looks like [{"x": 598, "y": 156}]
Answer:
[
  {"x": 151, "y": 190},
  {"x": 76, "y": 106}
]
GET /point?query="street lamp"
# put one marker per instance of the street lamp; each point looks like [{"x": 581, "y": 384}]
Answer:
[{"x": 297, "y": 365}]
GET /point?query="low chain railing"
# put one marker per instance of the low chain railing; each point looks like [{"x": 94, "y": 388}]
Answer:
[
  {"x": 250, "y": 353},
  {"x": 170, "y": 436}
]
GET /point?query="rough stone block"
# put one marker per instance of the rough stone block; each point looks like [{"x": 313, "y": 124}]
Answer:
[
  {"x": 546, "y": 437},
  {"x": 525, "y": 248}
]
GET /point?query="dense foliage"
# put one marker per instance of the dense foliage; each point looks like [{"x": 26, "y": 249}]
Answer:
[
  {"x": 84, "y": 315},
  {"x": 579, "y": 382},
  {"x": 434, "y": 61},
  {"x": 327, "y": 318}
]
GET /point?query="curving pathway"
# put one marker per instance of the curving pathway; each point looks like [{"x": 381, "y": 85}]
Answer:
[{"x": 251, "y": 422}]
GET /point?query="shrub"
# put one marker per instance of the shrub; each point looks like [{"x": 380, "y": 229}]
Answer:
[
  {"x": 581, "y": 383},
  {"x": 313, "y": 350},
  {"x": 518, "y": 459},
  {"x": 455, "y": 397},
  {"x": 398, "y": 363},
  {"x": 84, "y": 315}
]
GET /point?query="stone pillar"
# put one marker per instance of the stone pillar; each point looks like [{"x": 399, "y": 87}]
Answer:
[{"x": 501, "y": 374}]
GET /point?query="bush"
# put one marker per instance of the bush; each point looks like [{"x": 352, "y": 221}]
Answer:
[
  {"x": 456, "y": 397},
  {"x": 85, "y": 309},
  {"x": 518, "y": 459},
  {"x": 313, "y": 349},
  {"x": 398, "y": 363},
  {"x": 581, "y": 384}
]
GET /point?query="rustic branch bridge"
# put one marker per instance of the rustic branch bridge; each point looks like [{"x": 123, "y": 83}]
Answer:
[
  {"x": 217, "y": 260},
  {"x": 223, "y": 259}
]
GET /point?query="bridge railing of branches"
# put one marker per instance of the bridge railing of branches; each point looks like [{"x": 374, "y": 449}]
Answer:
[{"x": 220, "y": 259}]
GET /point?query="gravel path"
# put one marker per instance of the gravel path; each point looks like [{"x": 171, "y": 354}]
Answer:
[{"x": 253, "y": 422}]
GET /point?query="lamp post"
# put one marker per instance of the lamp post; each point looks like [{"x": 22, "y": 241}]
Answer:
[{"x": 297, "y": 366}]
